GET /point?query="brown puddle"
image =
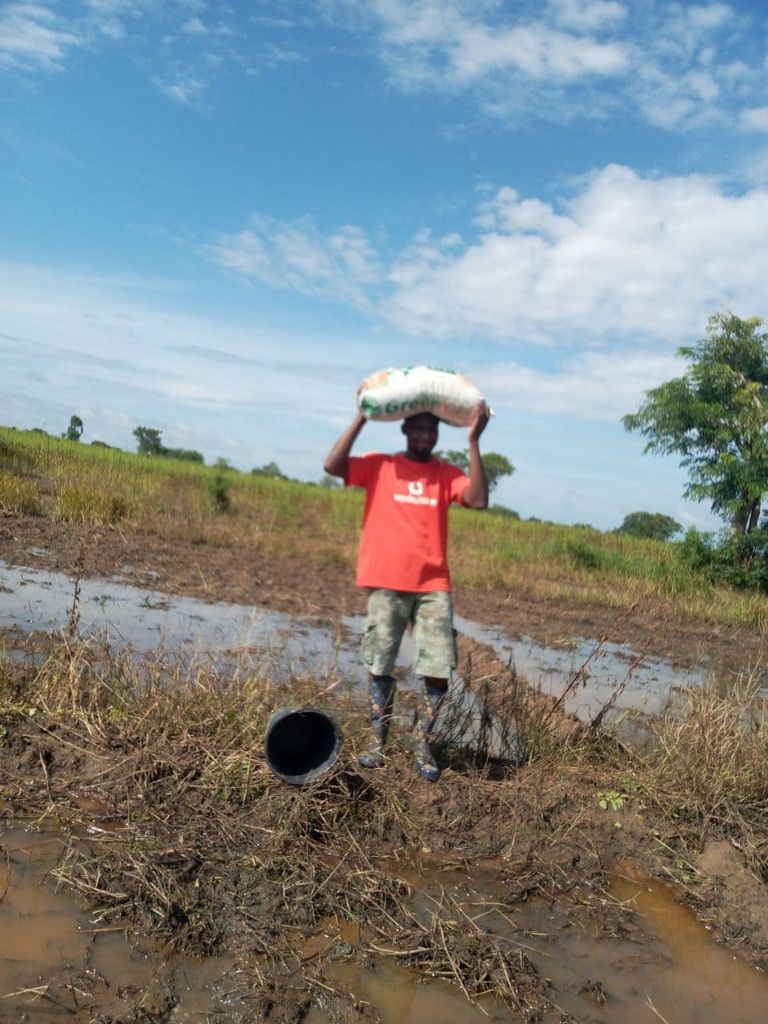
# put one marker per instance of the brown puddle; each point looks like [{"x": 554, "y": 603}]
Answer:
[
  {"x": 703, "y": 982},
  {"x": 55, "y": 965},
  {"x": 677, "y": 974}
]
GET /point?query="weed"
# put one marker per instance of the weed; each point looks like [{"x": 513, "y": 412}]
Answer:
[
  {"x": 218, "y": 489},
  {"x": 611, "y": 799},
  {"x": 709, "y": 764}
]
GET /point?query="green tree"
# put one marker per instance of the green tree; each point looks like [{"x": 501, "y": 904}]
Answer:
[
  {"x": 75, "y": 429},
  {"x": 716, "y": 417},
  {"x": 270, "y": 469},
  {"x": 148, "y": 441},
  {"x": 496, "y": 466},
  {"x": 651, "y": 525},
  {"x": 186, "y": 454}
]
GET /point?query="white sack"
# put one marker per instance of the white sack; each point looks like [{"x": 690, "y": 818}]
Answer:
[{"x": 393, "y": 394}]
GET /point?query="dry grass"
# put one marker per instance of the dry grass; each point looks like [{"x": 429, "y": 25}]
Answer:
[
  {"x": 709, "y": 766},
  {"x": 208, "y": 851},
  {"x": 19, "y": 495},
  {"x": 199, "y": 845}
]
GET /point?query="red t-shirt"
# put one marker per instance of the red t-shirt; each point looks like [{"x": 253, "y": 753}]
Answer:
[{"x": 404, "y": 541}]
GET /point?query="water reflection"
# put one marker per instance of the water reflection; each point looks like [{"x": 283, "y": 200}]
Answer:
[{"x": 147, "y": 620}]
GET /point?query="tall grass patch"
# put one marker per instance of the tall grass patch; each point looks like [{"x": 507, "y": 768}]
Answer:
[
  {"x": 87, "y": 505},
  {"x": 19, "y": 495}
]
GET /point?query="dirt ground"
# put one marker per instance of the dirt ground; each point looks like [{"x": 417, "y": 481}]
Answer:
[{"x": 326, "y": 592}]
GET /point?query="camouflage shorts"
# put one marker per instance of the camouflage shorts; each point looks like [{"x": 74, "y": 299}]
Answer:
[{"x": 434, "y": 639}]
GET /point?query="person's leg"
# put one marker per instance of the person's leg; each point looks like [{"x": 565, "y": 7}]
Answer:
[
  {"x": 388, "y": 614},
  {"x": 435, "y": 659},
  {"x": 382, "y": 691}
]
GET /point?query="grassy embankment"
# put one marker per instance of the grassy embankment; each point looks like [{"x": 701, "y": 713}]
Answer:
[{"x": 172, "y": 499}]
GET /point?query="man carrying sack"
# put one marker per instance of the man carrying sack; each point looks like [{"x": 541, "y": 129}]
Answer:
[{"x": 402, "y": 563}]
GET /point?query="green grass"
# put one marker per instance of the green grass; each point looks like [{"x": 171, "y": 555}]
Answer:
[{"x": 186, "y": 501}]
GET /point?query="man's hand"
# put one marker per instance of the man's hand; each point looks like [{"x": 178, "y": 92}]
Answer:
[
  {"x": 337, "y": 462},
  {"x": 476, "y": 494},
  {"x": 479, "y": 421}
]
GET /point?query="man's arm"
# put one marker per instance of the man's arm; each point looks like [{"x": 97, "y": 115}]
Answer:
[
  {"x": 337, "y": 462},
  {"x": 476, "y": 494}
]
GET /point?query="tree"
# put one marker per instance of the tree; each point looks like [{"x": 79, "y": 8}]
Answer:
[
  {"x": 149, "y": 442},
  {"x": 270, "y": 469},
  {"x": 186, "y": 454},
  {"x": 716, "y": 417},
  {"x": 496, "y": 466},
  {"x": 75, "y": 429},
  {"x": 651, "y": 525}
]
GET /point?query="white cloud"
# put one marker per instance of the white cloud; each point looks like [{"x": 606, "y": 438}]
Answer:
[
  {"x": 122, "y": 352},
  {"x": 592, "y": 386},
  {"x": 535, "y": 50},
  {"x": 625, "y": 255},
  {"x": 676, "y": 65},
  {"x": 588, "y": 15},
  {"x": 450, "y": 44},
  {"x": 297, "y": 256},
  {"x": 755, "y": 119},
  {"x": 194, "y": 27},
  {"x": 127, "y": 347},
  {"x": 185, "y": 89},
  {"x": 31, "y": 35},
  {"x": 182, "y": 47}
]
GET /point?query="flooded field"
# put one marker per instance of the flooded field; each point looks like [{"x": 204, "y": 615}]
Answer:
[{"x": 147, "y": 620}]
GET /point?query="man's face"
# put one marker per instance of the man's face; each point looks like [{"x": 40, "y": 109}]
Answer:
[{"x": 421, "y": 433}]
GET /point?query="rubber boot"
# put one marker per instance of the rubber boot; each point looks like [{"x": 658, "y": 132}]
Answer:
[
  {"x": 434, "y": 696},
  {"x": 382, "y": 690}
]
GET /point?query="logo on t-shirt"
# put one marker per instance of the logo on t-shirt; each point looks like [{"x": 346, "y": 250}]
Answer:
[{"x": 415, "y": 495}]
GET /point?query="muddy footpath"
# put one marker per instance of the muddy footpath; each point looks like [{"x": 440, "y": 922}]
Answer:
[{"x": 153, "y": 869}]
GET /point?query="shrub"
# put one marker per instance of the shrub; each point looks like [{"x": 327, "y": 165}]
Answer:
[
  {"x": 649, "y": 525},
  {"x": 585, "y": 555},
  {"x": 503, "y": 511},
  {"x": 217, "y": 487},
  {"x": 740, "y": 560}
]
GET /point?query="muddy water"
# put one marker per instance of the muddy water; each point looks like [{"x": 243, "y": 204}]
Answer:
[
  {"x": 55, "y": 965},
  {"x": 148, "y": 620},
  {"x": 701, "y": 982},
  {"x": 679, "y": 974}
]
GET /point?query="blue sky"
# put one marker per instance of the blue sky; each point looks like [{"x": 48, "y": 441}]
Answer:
[{"x": 218, "y": 218}]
